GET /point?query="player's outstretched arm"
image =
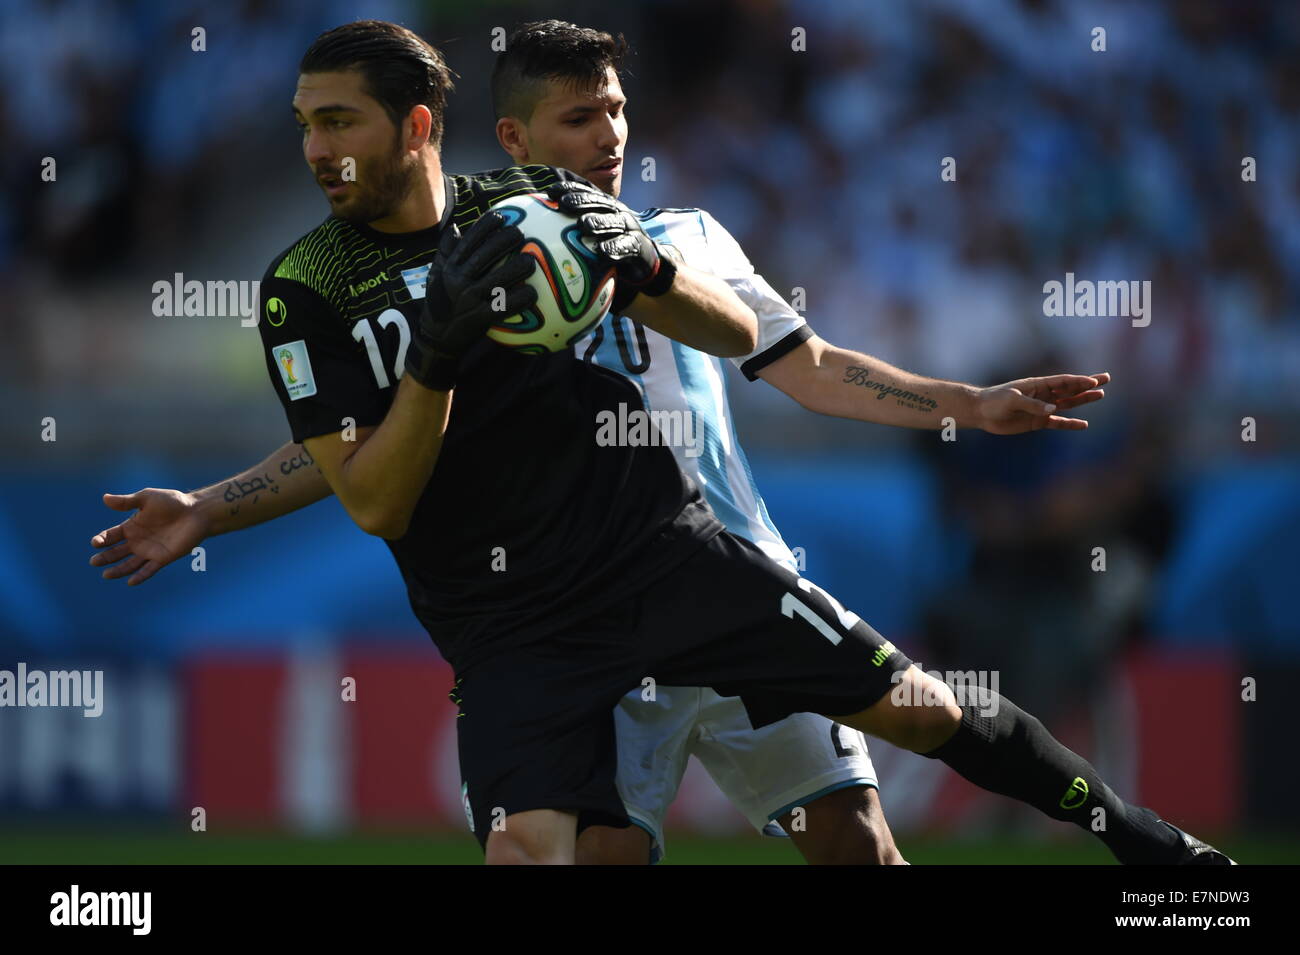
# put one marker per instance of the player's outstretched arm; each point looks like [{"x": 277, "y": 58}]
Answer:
[
  {"x": 847, "y": 384},
  {"x": 168, "y": 524},
  {"x": 699, "y": 310}
]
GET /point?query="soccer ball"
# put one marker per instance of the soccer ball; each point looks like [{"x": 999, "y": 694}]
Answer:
[{"x": 574, "y": 284}]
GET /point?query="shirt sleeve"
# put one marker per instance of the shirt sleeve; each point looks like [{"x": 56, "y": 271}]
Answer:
[
  {"x": 780, "y": 328},
  {"x": 320, "y": 374}
]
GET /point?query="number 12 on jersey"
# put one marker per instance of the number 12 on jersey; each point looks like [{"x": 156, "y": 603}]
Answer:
[
  {"x": 362, "y": 332},
  {"x": 792, "y": 605}
]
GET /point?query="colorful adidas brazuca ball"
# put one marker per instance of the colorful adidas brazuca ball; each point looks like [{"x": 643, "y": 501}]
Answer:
[{"x": 574, "y": 284}]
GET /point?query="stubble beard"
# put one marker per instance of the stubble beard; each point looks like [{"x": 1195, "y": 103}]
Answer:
[{"x": 393, "y": 178}]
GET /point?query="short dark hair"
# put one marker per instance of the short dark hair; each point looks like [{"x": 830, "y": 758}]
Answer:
[
  {"x": 399, "y": 69},
  {"x": 550, "y": 50}
]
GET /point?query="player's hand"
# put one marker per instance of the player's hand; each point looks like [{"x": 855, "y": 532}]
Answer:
[
  {"x": 617, "y": 234},
  {"x": 167, "y": 525},
  {"x": 1028, "y": 404},
  {"x": 460, "y": 295}
]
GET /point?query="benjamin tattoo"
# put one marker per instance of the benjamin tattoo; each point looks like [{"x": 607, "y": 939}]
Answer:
[{"x": 857, "y": 375}]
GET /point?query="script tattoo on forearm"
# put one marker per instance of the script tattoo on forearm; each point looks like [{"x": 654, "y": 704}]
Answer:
[
  {"x": 300, "y": 461},
  {"x": 237, "y": 491},
  {"x": 860, "y": 376}
]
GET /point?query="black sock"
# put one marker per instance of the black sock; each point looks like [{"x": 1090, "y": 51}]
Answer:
[{"x": 1012, "y": 754}]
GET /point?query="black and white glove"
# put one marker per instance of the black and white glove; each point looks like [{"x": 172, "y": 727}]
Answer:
[
  {"x": 458, "y": 296},
  {"x": 639, "y": 261}
]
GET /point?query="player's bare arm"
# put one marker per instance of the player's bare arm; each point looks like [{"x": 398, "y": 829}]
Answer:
[
  {"x": 168, "y": 524},
  {"x": 699, "y": 310},
  {"x": 379, "y": 474},
  {"x": 847, "y": 384},
  {"x": 288, "y": 480}
]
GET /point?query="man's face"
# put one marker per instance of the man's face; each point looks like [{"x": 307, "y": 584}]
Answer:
[
  {"x": 581, "y": 129},
  {"x": 339, "y": 121}
]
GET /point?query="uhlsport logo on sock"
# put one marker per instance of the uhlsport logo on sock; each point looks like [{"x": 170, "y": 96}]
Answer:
[{"x": 1074, "y": 796}]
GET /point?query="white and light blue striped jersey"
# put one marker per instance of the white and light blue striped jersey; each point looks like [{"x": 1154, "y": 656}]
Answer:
[{"x": 688, "y": 387}]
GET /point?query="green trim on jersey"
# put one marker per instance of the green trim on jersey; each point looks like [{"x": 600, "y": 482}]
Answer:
[
  {"x": 474, "y": 194},
  {"x": 321, "y": 259},
  {"x": 343, "y": 266}
]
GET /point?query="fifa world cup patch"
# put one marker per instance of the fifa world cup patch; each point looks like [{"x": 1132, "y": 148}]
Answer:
[{"x": 295, "y": 369}]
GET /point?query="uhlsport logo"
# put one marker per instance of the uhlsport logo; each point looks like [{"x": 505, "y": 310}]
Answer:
[
  {"x": 276, "y": 311},
  {"x": 365, "y": 285},
  {"x": 1074, "y": 796}
]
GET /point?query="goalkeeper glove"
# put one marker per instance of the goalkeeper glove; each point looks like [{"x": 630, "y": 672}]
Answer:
[
  {"x": 457, "y": 310},
  {"x": 639, "y": 261}
]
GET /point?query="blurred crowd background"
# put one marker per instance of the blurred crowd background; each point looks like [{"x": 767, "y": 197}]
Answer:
[{"x": 825, "y": 164}]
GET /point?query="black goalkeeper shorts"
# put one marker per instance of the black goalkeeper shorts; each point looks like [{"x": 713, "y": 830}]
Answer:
[{"x": 536, "y": 727}]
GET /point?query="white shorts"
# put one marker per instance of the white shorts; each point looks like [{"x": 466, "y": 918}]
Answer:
[{"x": 765, "y": 773}]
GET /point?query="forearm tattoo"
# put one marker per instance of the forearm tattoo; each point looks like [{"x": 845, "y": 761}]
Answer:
[
  {"x": 238, "y": 491},
  {"x": 860, "y": 376}
]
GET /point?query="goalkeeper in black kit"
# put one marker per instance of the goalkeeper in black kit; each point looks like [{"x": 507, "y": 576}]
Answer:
[{"x": 453, "y": 448}]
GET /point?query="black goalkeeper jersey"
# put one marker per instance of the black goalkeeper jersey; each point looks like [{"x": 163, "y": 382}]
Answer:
[{"x": 527, "y": 524}]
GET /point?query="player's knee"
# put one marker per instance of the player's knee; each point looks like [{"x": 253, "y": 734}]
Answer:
[
  {"x": 538, "y": 837},
  {"x": 605, "y": 845},
  {"x": 928, "y": 728},
  {"x": 514, "y": 849},
  {"x": 919, "y": 714}
]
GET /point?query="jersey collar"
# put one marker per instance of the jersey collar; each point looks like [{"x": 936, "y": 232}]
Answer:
[{"x": 419, "y": 236}]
